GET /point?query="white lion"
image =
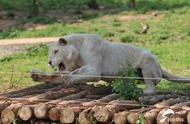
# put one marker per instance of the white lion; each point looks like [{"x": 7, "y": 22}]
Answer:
[{"x": 88, "y": 57}]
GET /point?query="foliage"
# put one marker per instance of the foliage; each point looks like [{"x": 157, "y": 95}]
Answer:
[
  {"x": 141, "y": 117},
  {"x": 126, "y": 88}
]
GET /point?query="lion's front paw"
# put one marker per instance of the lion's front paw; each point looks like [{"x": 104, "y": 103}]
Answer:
[
  {"x": 68, "y": 81},
  {"x": 150, "y": 91}
]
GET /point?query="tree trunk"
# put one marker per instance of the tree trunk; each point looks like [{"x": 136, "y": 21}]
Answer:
[
  {"x": 93, "y": 4},
  {"x": 133, "y": 4},
  {"x": 34, "y": 9}
]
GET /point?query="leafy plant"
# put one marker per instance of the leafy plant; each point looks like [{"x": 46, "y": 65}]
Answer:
[
  {"x": 141, "y": 117},
  {"x": 126, "y": 88}
]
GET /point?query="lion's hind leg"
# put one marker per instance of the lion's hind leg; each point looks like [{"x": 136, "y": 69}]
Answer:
[{"x": 151, "y": 72}]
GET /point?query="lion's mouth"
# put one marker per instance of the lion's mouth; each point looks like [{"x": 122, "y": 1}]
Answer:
[{"x": 61, "y": 67}]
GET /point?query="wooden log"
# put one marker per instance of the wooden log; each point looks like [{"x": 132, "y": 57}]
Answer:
[
  {"x": 150, "y": 116},
  {"x": 188, "y": 117},
  {"x": 180, "y": 105},
  {"x": 89, "y": 96},
  {"x": 168, "y": 102},
  {"x": 69, "y": 114},
  {"x": 3, "y": 105},
  {"x": 8, "y": 115},
  {"x": 132, "y": 117},
  {"x": 125, "y": 104},
  {"x": 32, "y": 92},
  {"x": 109, "y": 98},
  {"x": 41, "y": 110},
  {"x": 54, "y": 113},
  {"x": 121, "y": 117},
  {"x": 155, "y": 99},
  {"x": 100, "y": 90},
  {"x": 105, "y": 99},
  {"x": 25, "y": 112},
  {"x": 102, "y": 114},
  {"x": 179, "y": 117},
  {"x": 164, "y": 116},
  {"x": 85, "y": 117},
  {"x": 54, "y": 94},
  {"x": 77, "y": 102},
  {"x": 78, "y": 95},
  {"x": 42, "y": 122},
  {"x": 56, "y": 77},
  {"x": 35, "y": 87}
]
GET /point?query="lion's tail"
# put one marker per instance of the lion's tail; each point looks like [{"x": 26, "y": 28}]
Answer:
[{"x": 174, "y": 78}]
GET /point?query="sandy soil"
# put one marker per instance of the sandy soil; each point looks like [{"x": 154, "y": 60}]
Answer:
[{"x": 12, "y": 46}]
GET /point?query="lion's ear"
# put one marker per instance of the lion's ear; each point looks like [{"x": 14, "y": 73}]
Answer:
[{"x": 62, "y": 41}]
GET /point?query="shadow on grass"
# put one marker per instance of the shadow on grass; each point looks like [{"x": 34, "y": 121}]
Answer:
[{"x": 69, "y": 12}]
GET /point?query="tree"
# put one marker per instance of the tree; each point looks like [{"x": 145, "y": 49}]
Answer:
[
  {"x": 34, "y": 9},
  {"x": 133, "y": 4},
  {"x": 93, "y": 4}
]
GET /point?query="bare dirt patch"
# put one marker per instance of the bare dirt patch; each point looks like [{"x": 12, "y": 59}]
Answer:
[
  {"x": 6, "y": 23},
  {"x": 154, "y": 15},
  {"x": 12, "y": 46}
]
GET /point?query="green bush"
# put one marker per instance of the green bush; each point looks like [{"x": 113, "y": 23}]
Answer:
[{"x": 127, "y": 88}]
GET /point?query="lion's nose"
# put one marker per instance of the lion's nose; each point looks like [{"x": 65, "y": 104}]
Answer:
[{"x": 50, "y": 62}]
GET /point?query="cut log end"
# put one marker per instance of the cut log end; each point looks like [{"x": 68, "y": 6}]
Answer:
[
  {"x": 7, "y": 116},
  {"x": 40, "y": 111},
  {"x": 25, "y": 113},
  {"x": 54, "y": 114},
  {"x": 120, "y": 118},
  {"x": 188, "y": 117},
  {"x": 102, "y": 114},
  {"x": 67, "y": 116},
  {"x": 85, "y": 117},
  {"x": 132, "y": 117}
]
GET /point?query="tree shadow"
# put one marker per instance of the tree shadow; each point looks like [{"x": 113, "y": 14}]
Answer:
[
  {"x": 72, "y": 13},
  {"x": 143, "y": 6}
]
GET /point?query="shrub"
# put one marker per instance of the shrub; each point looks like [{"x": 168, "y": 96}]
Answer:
[{"x": 126, "y": 88}]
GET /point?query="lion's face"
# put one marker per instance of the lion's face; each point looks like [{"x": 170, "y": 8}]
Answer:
[{"x": 63, "y": 55}]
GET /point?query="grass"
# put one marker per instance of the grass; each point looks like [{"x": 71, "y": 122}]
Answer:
[{"x": 168, "y": 36}]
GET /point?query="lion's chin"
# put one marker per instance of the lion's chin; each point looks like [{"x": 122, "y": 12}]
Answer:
[{"x": 61, "y": 67}]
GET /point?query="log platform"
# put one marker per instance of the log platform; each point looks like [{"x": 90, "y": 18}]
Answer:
[{"x": 47, "y": 103}]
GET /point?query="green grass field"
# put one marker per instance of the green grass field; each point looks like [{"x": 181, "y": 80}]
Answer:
[{"x": 168, "y": 36}]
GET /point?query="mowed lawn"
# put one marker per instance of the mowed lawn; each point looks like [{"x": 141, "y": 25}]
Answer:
[{"x": 168, "y": 37}]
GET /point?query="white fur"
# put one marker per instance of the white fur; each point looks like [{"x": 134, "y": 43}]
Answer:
[{"x": 86, "y": 54}]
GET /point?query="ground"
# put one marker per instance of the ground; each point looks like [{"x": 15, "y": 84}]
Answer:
[{"x": 167, "y": 37}]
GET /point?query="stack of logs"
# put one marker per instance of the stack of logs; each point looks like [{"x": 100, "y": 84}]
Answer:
[{"x": 47, "y": 103}]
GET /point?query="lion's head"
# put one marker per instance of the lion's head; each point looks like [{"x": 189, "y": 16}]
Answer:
[{"x": 63, "y": 55}]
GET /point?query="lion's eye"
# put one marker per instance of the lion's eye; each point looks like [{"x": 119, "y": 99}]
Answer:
[{"x": 55, "y": 51}]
